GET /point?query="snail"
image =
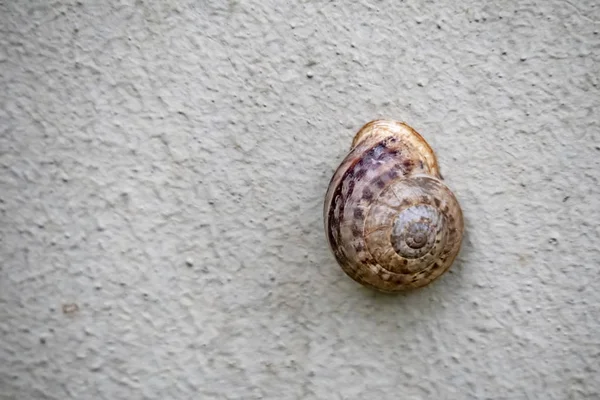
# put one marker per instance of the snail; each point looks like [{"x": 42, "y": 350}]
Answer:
[{"x": 390, "y": 221}]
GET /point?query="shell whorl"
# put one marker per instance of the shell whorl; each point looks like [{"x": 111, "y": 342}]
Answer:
[{"x": 391, "y": 222}]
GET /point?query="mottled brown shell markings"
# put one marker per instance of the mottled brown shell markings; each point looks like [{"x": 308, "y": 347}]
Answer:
[{"x": 391, "y": 222}]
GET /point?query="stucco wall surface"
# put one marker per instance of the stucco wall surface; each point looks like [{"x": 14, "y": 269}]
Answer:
[{"x": 162, "y": 172}]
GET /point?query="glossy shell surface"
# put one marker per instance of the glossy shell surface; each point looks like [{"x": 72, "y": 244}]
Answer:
[{"x": 390, "y": 221}]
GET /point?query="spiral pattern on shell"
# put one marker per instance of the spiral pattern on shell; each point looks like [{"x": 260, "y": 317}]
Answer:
[{"x": 391, "y": 222}]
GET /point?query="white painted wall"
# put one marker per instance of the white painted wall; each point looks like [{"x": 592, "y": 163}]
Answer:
[{"x": 162, "y": 172}]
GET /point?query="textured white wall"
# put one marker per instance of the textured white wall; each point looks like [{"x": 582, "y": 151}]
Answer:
[{"x": 163, "y": 167}]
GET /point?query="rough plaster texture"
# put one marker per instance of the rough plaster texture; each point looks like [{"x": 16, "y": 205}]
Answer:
[{"x": 163, "y": 167}]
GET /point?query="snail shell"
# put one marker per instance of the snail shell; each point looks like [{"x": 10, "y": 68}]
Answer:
[{"x": 390, "y": 221}]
